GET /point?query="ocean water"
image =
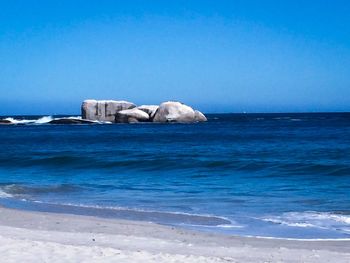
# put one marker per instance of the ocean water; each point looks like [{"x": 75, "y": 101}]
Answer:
[{"x": 272, "y": 175}]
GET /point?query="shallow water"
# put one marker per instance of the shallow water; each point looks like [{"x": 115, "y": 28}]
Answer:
[{"x": 279, "y": 175}]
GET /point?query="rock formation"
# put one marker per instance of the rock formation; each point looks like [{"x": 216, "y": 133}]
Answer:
[{"x": 127, "y": 112}]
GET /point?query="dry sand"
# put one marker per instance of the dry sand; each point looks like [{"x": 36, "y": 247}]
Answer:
[{"x": 48, "y": 237}]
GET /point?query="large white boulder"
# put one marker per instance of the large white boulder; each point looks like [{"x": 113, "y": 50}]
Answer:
[
  {"x": 103, "y": 110},
  {"x": 149, "y": 109},
  {"x": 131, "y": 116},
  {"x": 172, "y": 111}
]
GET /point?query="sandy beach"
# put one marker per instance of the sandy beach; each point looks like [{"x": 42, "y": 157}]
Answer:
[{"x": 48, "y": 237}]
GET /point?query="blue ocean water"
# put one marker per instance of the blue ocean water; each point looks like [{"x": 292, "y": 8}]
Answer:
[{"x": 273, "y": 175}]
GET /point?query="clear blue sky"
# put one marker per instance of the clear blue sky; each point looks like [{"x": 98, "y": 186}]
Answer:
[{"x": 219, "y": 56}]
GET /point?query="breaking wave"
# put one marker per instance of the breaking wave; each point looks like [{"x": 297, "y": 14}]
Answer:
[
  {"x": 42, "y": 120},
  {"x": 320, "y": 220},
  {"x": 51, "y": 120}
]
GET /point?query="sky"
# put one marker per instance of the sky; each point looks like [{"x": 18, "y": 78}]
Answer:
[{"x": 217, "y": 56}]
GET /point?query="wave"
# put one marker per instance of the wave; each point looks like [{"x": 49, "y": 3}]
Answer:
[
  {"x": 52, "y": 120},
  {"x": 3, "y": 194},
  {"x": 42, "y": 120},
  {"x": 310, "y": 219},
  {"x": 189, "y": 218},
  {"x": 131, "y": 161},
  {"x": 28, "y": 194},
  {"x": 19, "y": 190},
  {"x": 161, "y": 217}
]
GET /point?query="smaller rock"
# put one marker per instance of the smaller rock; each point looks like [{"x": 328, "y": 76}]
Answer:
[
  {"x": 5, "y": 122},
  {"x": 71, "y": 121},
  {"x": 198, "y": 116},
  {"x": 149, "y": 109},
  {"x": 131, "y": 116}
]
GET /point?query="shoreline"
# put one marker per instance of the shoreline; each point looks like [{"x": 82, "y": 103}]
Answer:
[
  {"x": 41, "y": 235},
  {"x": 139, "y": 215}
]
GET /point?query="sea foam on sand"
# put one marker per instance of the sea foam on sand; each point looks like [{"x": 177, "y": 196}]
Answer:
[{"x": 47, "y": 237}]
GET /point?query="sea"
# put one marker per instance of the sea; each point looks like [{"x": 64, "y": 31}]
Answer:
[{"x": 266, "y": 175}]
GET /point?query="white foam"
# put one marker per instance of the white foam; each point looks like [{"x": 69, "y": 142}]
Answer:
[
  {"x": 282, "y": 222},
  {"x": 321, "y": 220},
  {"x": 322, "y": 216},
  {"x": 230, "y": 226},
  {"x": 300, "y": 239},
  {"x": 15, "y": 121},
  {"x": 47, "y": 119},
  {"x": 5, "y": 195},
  {"x": 43, "y": 120}
]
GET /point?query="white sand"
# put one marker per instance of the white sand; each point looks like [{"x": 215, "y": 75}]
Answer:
[{"x": 47, "y": 237}]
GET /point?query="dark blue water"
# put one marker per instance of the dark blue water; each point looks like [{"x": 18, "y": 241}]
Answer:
[{"x": 279, "y": 175}]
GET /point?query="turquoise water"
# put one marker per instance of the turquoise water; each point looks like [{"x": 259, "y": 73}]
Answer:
[{"x": 276, "y": 175}]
